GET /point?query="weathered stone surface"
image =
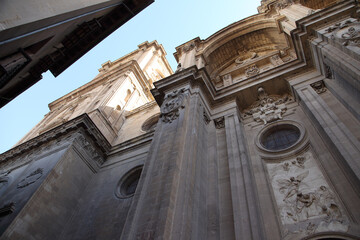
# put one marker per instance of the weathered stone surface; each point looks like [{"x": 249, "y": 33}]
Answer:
[{"x": 256, "y": 136}]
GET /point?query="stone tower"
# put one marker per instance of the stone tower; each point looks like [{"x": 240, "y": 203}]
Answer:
[{"x": 255, "y": 136}]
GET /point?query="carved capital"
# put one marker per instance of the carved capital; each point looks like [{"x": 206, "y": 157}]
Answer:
[
  {"x": 170, "y": 109},
  {"x": 219, "y": 122},
  {"x": 319, "y": 87}
]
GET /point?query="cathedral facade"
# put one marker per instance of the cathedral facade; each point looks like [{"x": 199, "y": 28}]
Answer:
[{"x": 255, "y": 136}]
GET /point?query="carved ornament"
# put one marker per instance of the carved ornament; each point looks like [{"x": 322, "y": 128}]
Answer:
[
  {"x": 319, "y": 87},
  {"x": 252, "y": 70},
  {"x": 188, "y": 47},
  {"x": 347, "y": 33},
  {"x": 219, "y": 122},
  {"x": 31, "y": 178},
  {"x": 170, "y": 109},
  {"x": 85, "y": 144},
  {"x": 267, "y": 108},
  {"x": 206, "y": 118}
]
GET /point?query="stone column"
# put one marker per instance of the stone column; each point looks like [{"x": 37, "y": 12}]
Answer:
[
  {"x": 246, "y": 218},
  {"x": 336, "y": 134},
  {"x": 170, "y": 201}
]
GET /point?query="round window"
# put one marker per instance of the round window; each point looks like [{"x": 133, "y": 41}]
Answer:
[
  {"x": 128, "y": 183},
  {"x": 280, "y": 137},
  {"x": 150, "y": 123}
]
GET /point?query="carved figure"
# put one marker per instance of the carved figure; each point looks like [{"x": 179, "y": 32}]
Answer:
[
  {"x": 304, "y": 205},
  {"x": 291, "y": 186}
]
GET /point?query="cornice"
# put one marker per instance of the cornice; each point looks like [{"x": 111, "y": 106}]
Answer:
[
  {"x": 81, "y": 122},
  {"x": 102, "y": 78}
]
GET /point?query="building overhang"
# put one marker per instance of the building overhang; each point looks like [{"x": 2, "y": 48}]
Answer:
[{"x": 23, "y": 58}]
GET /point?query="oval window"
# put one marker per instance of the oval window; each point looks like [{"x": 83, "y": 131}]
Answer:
[
  {"x": 280, "y": 137},
  {"x": 128, "y": 183}
]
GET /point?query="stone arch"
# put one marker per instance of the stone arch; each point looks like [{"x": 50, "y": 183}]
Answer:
[{"x": 260, "y": 36}]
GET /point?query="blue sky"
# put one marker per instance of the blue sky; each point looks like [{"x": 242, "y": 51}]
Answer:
[{"x": 171, "y": 23}]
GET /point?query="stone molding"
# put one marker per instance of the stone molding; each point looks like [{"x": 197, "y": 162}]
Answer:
[{"x": 57, "y": 133}]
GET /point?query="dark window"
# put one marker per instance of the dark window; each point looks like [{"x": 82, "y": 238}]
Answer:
[
  {"x": 129, "y": 182},
  {"x": 280, "y": 137}
]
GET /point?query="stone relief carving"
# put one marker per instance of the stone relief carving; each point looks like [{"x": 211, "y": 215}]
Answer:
[
  {"x": 219, "y": 122},
  {"x": 328, "y": 72},
  {"x": 319, "y": 87},
  {"x": 31, "y": 178},
  {"x": 206, "y": 118},
  {"x": 188, "y": 47},
  {"x": 252, "y": 70},
  {"x": 276, "y": 60},
  {"x": 170, "y": 109},
  {"x": 267, "y": 108},
  {"x": 227, "y": 79},
  {"x": 347, "y": 33},
  {"x": 244, "y": 57},
  {"x": 305, "y": 201}
]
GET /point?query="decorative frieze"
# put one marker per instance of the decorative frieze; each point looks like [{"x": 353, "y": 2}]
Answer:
[
  {"x": 85, "y": 144},
  {"x": 347, "y": 33},
  {"x": 267, "y": 108},
  {"x": 173, "y": 102}
]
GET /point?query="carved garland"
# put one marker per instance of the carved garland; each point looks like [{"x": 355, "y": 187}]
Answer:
[{"x": 170, "y": 109}]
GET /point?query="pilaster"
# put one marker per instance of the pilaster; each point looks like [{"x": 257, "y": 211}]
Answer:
[{"x": 334, "y": 131}]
